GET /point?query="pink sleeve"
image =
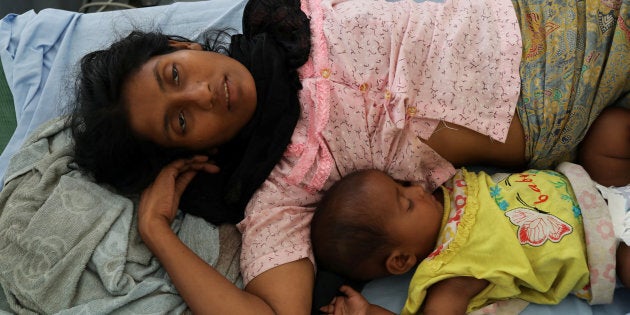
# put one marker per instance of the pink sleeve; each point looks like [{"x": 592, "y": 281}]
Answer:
[{"x": 276, "y": 229}]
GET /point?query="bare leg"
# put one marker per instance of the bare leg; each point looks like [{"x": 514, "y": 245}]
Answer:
[
  {"x": 623, "y": 264},
  {"x": 605, "y": 151}
]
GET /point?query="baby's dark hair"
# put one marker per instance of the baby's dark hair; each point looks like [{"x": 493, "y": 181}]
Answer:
[
  {"x": 105, "y": 145},
  {"x": 348, "y": 236}
]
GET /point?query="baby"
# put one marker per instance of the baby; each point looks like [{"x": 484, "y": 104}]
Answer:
[{"x": 477, "y": 240}]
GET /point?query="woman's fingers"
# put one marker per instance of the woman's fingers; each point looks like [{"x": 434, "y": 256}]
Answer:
[
  {"x": 210, "y": 168},
  {"x": 163, "y": 195},
  {"x": 205, "y": 165},
  {"x": 182, "y": 182},
  {"x": 197, "y": 162},
  {"x": 172, "y": 170}
]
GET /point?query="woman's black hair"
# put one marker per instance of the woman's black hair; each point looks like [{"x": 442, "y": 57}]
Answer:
[{"x": 105, "y": 144}]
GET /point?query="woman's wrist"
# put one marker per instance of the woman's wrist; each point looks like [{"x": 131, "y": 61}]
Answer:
[{"x": 152, "y": 229}]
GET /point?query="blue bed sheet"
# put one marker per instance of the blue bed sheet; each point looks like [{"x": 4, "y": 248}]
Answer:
[{"x": 391, "y": 293}]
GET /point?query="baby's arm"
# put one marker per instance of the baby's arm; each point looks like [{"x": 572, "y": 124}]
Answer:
[{"x": 451, "y": 296}]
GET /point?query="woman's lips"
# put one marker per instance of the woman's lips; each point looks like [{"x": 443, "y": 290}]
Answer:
[{"x": 227, "y": 94}]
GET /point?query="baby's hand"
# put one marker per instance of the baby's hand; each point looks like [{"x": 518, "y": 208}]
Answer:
[{"x": 353, "y": 303}]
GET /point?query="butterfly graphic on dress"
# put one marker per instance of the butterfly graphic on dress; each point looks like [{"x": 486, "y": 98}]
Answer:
[{"x": 535, "y": 226}]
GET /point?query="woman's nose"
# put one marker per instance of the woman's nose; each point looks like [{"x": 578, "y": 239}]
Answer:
[{"x": 202, "y": 95}]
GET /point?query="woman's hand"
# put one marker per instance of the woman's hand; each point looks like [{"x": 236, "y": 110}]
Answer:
[
  {"x": 159, "y": 201},
  {"x": 203, "y": 288}
]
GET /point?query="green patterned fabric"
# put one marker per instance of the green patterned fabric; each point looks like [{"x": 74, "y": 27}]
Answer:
[
  {"x": 575, "y": 63},
  {"x": 7, "y": 111}
]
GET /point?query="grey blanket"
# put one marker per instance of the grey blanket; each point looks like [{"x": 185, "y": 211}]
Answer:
[{"x": 68, "y": 245}]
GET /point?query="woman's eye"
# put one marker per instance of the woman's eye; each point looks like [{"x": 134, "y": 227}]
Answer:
[
  {"x": 182, "y": 121},
  {"x": 175, "y": 75}
]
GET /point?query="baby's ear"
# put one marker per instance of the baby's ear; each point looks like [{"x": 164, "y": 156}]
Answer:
[{"x": 399, "y": 262}]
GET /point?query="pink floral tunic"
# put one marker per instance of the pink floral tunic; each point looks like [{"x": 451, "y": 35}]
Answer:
[{"x": 381, "y": 77}]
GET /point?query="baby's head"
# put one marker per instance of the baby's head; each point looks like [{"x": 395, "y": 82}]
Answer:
[{"x": 369, "y": 226}]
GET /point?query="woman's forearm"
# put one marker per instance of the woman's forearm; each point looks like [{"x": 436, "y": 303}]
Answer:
[
  {"x": 205, "y": 290},
  {"x": 284, "y": 289}
]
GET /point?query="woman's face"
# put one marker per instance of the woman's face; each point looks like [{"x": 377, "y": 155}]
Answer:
[{"x": 190, "y": 98}]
